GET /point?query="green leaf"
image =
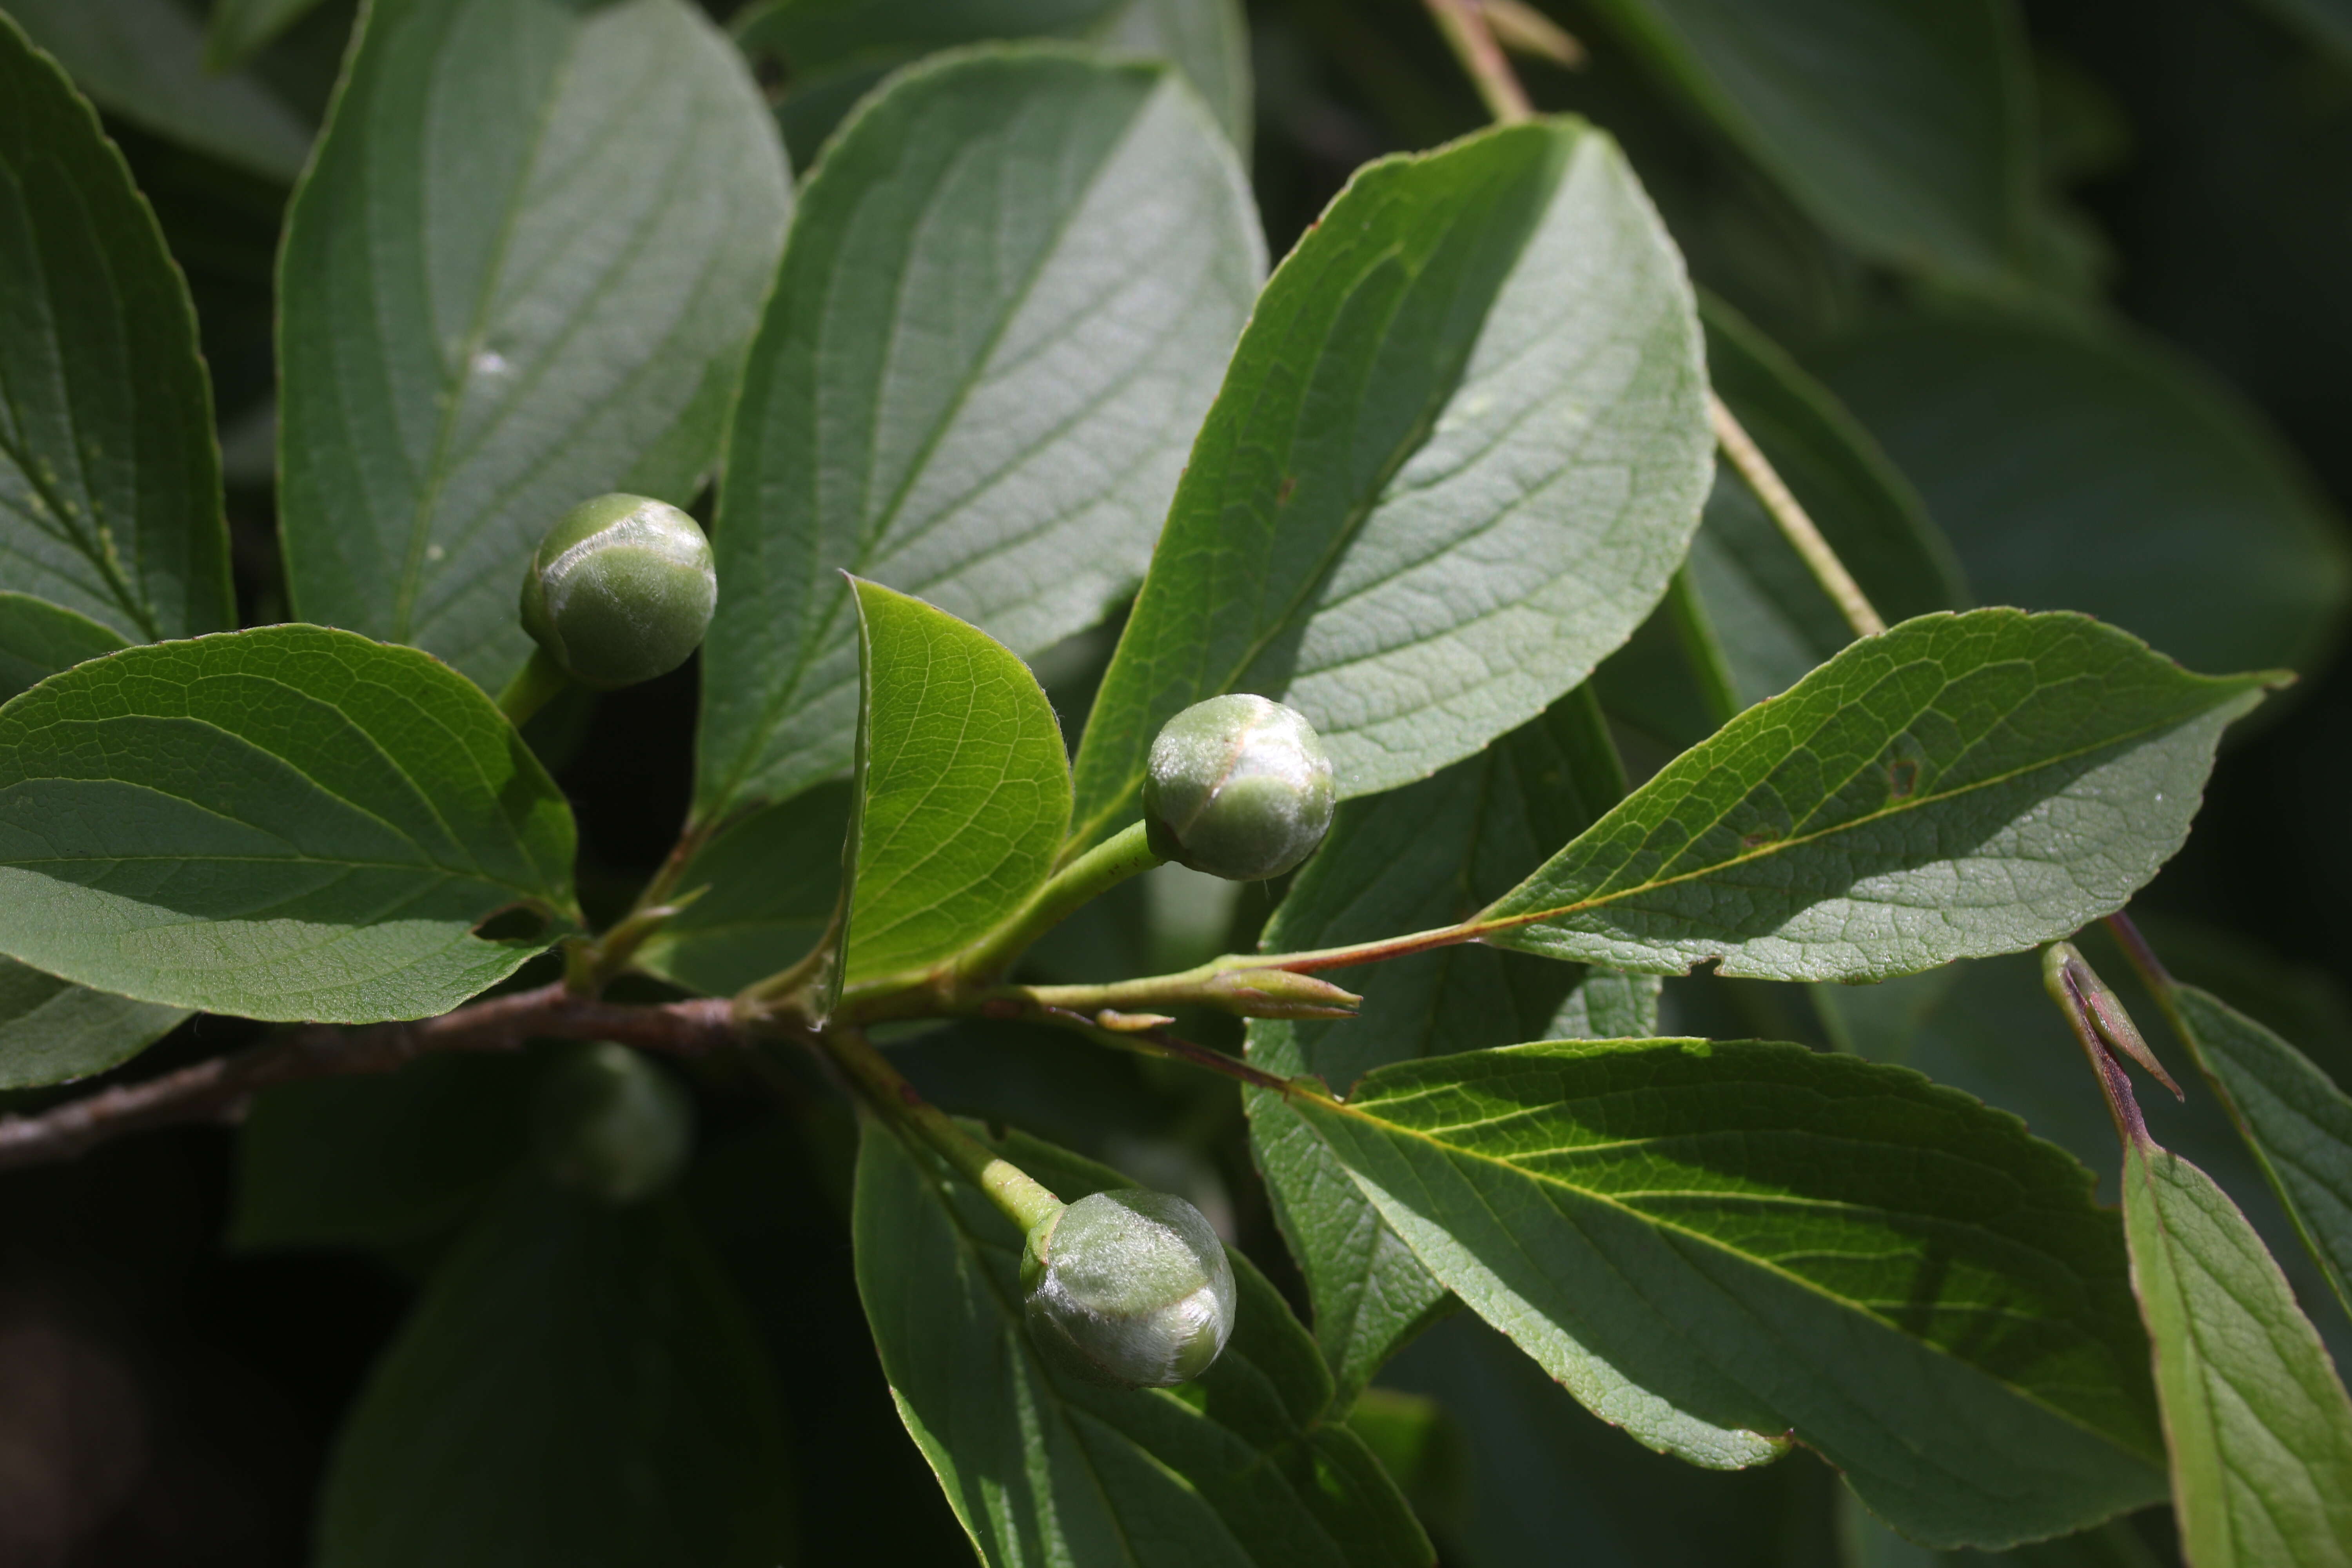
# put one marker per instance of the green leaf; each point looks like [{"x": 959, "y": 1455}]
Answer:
[
  {"x": 579, "y": 1383},
  {"x": 1248, "y": 1465},
  {"x": 2255, "y": 1416},
  {"x": 1954, "y": 787},
  {"x": 38, "y": 638},
  {"x": 962, "y": 791},
  {"x": 1724, "y": 1247},
  {"x": 287, "y": 823},
  {"x": 239, "y": 28},
  {"x": 379, "y": 1162},
  {"x": 109, "y": 480},
  {"x": 1772, "y": 618},
  {"x": 2294, "y": 1118},
  {"x": 143, "y": 59},
  {"x": 2327, "y": 23},
  {"x": 1008, "y": 295},
  {"x": 1460, "y": 450},
  {"x": 52, "y": 1031},
  {"x": 1415, "y": 858},
  {"x": 771, "y": 878},
  {"x": 2090, "y": 470},
  {"x": 519, "y": 272},
  {"x": 1905, "y": 130},
  {"x": 833, "y": 54}
]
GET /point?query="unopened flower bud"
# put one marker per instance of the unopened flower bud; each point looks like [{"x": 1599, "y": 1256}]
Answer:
[
  {"x": 621, "y": 591},
  {"x": 1239, "y": 787},
  {"x": 608, "y": 1122},
  {"x": 1128, "y": 1288}
]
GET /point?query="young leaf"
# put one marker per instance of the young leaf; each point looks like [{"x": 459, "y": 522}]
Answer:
[
  {"x": 833, "y": 55},
  {"x": 1246, "y": 1468},
  {"x": 1723, "y": 1247},
  {"x": 2127, "y": 485},
  {"x": 1413, "y": 858},
  {"x": 143, "y": 59},
  {"x": 287, "y": 823},
  {"x": 1772, "y": 619},
  {"x": 961, "y": 790},
  {"x": 239, "y": 28},
  {"x": 2255, "y": 1414},
  {"x": 579, "y": 1383},
  {"x": 1009, "y": 292},
  {"x": 38, "y": 638},
  {"x": 2294, "y": 1118},
  {"x": 52, "y": 1030},
  {"x": 109, "y": 480},
  {"x": 1959, "y": 786},
  {"x": 519, "y": 272},
  {"x": 1460, "y": 450},
  {"x": 771, "y": 881},
  {"x": 1907, "y": 132}
]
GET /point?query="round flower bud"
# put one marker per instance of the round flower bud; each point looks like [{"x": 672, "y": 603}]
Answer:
[
  {"x": 621, "y": 591},
  {"x": 608, "y": 1122},
  {"x": 1127, "y": 1287},
  {"x": 1239, "y": 787}
]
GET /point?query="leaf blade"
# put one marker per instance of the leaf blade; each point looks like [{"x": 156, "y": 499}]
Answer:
[
  {"x": 472, "y": 342},
  {"x": 1779, "y": 846},
  {"x": 109, "y": 480},
  {"x": 52, "y": 1031},
  {"x": 287, "y": 823},
  {"x": 1455, "y": 459},
  {"x": 962, "y": 791},
  {"x": 1067, "y": 248},
  {"x": 1676, "y": 1274}
]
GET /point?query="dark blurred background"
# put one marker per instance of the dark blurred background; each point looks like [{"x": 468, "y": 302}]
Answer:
[{"x": 166, "y": 1398}]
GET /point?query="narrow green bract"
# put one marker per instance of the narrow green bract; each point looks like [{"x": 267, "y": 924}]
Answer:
[
  {"x": 520, "y": 272},
  {"x": 962, "y": 791},
  {"x": 1456, "y": 458},
  {"x": 1958, "y": 786},
  {"x": 1724, "y": 1247},
  {"x": 287, "y": 823}
]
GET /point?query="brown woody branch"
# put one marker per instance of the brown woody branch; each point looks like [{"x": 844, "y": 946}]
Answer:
[{"x": 219, "y": 1090}]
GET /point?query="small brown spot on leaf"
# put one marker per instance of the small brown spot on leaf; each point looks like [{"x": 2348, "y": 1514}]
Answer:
[
  {"x": 1282, "y": 491},
  {"x": 1903, "y": 777}
]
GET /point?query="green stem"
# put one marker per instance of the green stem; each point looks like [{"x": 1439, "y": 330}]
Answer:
[
  {"x": 1105, "y": 866},
  {"x": 1024, "y": 1200},
  {"x": 1701, "y": 648},
  {"x": 540, "y": 679},
  {"x": 1756, "y": 471}
]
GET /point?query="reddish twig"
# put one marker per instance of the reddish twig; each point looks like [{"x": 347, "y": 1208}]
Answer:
[{"x": 219, "y": 1088}]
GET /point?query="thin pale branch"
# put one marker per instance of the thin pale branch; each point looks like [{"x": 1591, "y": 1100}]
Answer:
[
  {"x": 1466, "y": 31},
  {"x": 1757, "y": 470}
]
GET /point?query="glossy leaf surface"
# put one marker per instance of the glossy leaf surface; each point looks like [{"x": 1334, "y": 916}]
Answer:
[
  {"x": 961, "y": 790},
  {"x": 1405, "y": 860},
  {"x": 1246, "y": 1465},
  {"x": 2089, "y": 471},
  {"x": 834, "y": 54},
  {"x": 1959, "y": 786},
  {"x": 2256, "y": 1416},
  {"x": 38, "y": 638},
  {"x": 109, "y": 481},
  {"x": 1010, "y": 291},
  {"x": 143, "y": 60},
  {"x": 1456, "y": 457},
  {"x": 1905, "y": 130},
  {"x": 519, "y": 273},
  {"x": 2298, "y": 1123},
  {"x": 1722, "y": 1247},
  {"x": 52, "y": 1030},
  {"x": 578, "y": 1384},
  {"x": 287, "y": 823}
]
